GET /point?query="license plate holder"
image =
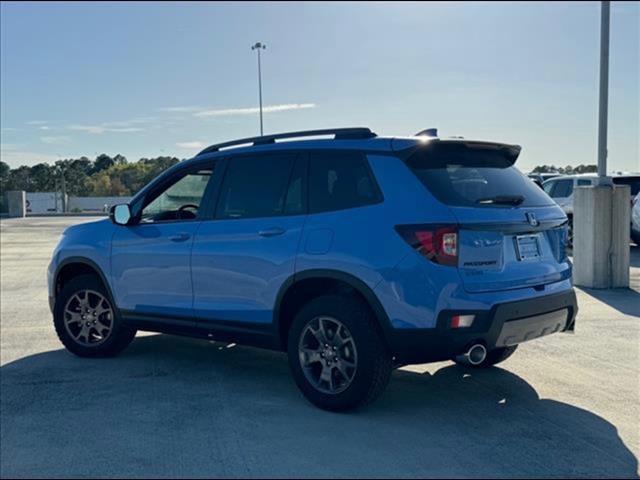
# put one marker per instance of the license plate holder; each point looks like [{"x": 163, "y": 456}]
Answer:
[{"x": 527, "y": 247}]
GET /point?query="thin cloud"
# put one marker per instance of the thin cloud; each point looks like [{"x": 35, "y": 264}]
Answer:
[
  {"x": 129, "y": 123},
  {"x": 253, "y": 110},
  {"x": 55, "y": 140},
  {"x": 100, "y": 129},
  {"x": 181, "y": 109},
  {"x": 36, "y": 122},
  {"x": 136, "y": 124},
  {"x": 191, "y": 145}
]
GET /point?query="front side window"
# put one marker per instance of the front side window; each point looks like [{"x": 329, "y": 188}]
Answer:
[
  {"x": 548, "y": 187},
  {"x": 340, "y": 180},
  {"x": 180, "y": 200},
  {"x": 257, "y": 186},
  {"x": 564, "y": 189}
]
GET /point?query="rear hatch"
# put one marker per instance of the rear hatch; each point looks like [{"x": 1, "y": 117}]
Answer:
[{"x": 510, "y": 233}]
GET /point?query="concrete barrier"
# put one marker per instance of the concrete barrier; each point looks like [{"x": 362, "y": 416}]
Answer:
[
  {"x": 52, "y": 203},
  {"x": 601, "y": 236},
  {"x": 16, "y": 203}
]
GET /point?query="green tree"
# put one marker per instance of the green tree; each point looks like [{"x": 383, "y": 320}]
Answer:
[
  {"x": 103, "y": 162},
  {"x": 20, "y": 179},
  {"x": 43, "y": 178},
  {"x": 119, "y": 159},
  {"x": 4, "y": 176},
  {"x": 76, "y": 173},
  {"x": 106, "y": 176}
]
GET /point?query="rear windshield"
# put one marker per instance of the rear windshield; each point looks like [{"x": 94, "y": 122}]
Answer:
[
  {"x": 459, "y": 175},
  {"x": 633, "y": 182}
]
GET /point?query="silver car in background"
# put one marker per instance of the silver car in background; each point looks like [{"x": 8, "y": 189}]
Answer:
[
  {"x": 635, "y": 220},
  {"x": 560, "y": 189}
]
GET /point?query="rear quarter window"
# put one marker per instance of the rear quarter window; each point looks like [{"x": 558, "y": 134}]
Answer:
[
  {"x": 340, "y": 180},
  {"x": 459, "y": 175}
]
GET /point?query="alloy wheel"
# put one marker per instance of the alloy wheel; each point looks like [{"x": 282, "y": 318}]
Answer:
[
  {"x": 88, "y": 317},
  {"x": 328, "y": 355}
]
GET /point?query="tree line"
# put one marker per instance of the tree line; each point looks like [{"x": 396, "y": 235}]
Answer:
[
  {"x": 105, "y": 176},
  {"x": 115, "y": 176},
  {"x": 568, "y": 170}
]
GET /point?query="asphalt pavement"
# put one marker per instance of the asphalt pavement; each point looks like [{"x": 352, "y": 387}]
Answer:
[{"x": 562, "y": 406}]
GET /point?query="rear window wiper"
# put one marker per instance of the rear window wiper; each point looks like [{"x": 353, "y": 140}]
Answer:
[{"x": 502, "y": 200}]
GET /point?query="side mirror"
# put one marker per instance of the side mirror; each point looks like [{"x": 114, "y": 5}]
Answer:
[{"x": 120, "y": 214}]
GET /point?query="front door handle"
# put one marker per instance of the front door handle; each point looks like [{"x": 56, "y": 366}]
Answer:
[
  {"x": 180, "y": 237},
  {"x": 271, "y": 232}
]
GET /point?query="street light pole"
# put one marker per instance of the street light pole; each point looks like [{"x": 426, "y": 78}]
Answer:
[
  {"x": 260, "y": 46},
  {"x": 604, "y": 92}
]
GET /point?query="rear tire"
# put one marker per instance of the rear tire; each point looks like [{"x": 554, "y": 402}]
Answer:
[
  {"x": 86, "y": 320},
  {"x": 495, "y": 356},
  {"x": 337, "y": 353}
]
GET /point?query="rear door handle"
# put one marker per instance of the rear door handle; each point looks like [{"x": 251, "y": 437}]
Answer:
[
  {"x": 179, "y": 237},
  {"x": 271, "y": 232}
]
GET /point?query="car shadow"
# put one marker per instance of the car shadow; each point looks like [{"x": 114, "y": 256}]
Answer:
[
  {"x": 177, "y": 407},
  {"x": 625, "y": 300}
]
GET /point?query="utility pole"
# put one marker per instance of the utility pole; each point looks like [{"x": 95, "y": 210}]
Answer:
[
  {"x": 63, "y": 188},
  {"x": 64, "y": 193},
  {"x": 260, "y": 46},
  {"x": 604, "y": 93},
  {"x": 601, "y": 212}
]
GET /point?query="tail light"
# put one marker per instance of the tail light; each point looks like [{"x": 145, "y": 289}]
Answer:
[{"x": 438, "y": 243}]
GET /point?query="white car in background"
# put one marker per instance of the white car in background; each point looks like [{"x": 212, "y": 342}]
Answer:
[
  {"x": 635, "y": 220},
  {"x": 560, "y": 189}
]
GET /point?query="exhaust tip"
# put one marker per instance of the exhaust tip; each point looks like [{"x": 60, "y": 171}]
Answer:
[
  {"x": 474, "y": 356},
  {"x": 477, "y": 354}
]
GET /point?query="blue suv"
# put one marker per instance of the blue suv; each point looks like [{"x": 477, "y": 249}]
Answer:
[{"x": 355, "y": 254}]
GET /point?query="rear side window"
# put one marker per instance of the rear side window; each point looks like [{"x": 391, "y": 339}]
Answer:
[
  {"x": 633, "y": 182},
  {"x": 256, "y": 186},
  {"x": 460, "y": 175},
  {"x": 340, "y": 180}
]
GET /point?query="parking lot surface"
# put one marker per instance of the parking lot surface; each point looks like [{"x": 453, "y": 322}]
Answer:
[{"x": 565, "y": 405}]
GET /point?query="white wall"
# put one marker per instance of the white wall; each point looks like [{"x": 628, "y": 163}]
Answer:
[
  {"x": 44, "y": 202},
  {"x": 94, "y": 204},
  {"x": 51, "y": 202}
]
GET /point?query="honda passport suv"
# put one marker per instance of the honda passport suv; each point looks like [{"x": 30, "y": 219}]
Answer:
[{"x": 355, "y": 254}]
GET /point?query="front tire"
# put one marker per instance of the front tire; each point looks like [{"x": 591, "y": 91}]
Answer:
[
  {"x": 337, "y": 354},
  {"x": 86, "y": 320}
]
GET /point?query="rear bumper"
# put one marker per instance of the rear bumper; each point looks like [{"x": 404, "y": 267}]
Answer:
[{"x": 503, "y": 325}]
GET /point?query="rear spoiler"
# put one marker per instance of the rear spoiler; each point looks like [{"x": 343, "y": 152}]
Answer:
[{"x": 406, "y": 146}]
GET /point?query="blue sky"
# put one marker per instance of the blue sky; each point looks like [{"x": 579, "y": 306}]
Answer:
[{"x": 148, "y": 79}]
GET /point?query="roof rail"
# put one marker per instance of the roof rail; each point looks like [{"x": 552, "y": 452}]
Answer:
[{"x": 338, "y": 133}]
